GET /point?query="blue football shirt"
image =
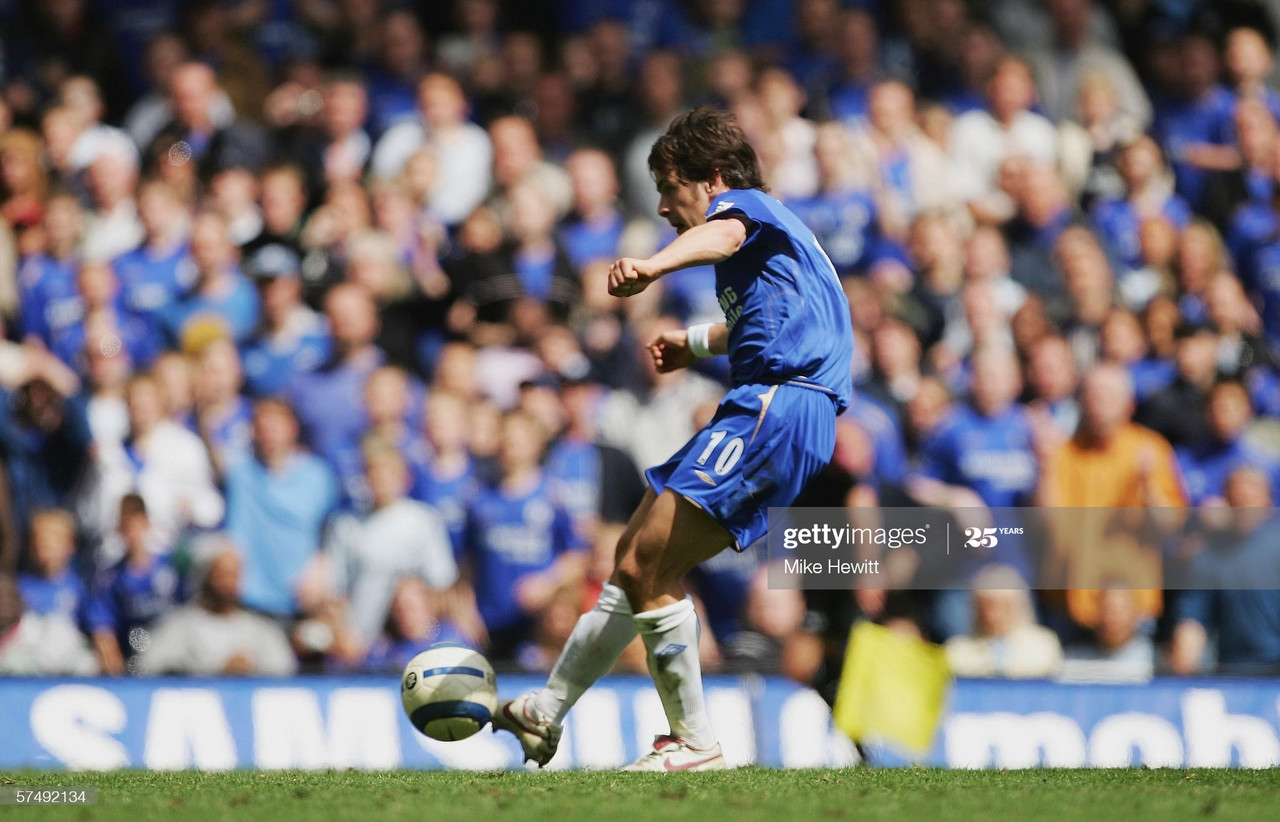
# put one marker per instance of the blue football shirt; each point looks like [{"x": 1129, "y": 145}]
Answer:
[{"x": 788, "y": 316}]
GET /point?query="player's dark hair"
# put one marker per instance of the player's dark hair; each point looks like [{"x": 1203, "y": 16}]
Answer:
[{"x": 701, "y": 142}]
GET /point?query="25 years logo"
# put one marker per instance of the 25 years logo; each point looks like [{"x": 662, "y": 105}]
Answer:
[{"x": 986, "y": 537}]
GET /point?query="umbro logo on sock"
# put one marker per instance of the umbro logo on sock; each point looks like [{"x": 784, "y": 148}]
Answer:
[{"x": 668, "y": 651}]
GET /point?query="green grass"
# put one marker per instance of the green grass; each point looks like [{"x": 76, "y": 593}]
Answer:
[{"x": 745, "y": 794}]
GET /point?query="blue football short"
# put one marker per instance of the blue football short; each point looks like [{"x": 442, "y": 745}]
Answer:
[{"x": 759, "y": 451}]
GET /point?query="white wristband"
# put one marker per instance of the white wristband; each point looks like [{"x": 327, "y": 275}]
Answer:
[{"x": 699, "y": 337}]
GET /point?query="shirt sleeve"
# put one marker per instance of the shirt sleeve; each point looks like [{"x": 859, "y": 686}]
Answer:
[{"x": 746, "y": 206}]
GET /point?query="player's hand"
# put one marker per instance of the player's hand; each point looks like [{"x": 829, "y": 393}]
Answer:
[
  {"x": 630, "y": 276},
  {"x": 670, "y": 351}
]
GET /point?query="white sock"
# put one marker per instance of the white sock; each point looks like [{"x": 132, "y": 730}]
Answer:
[
  {"x": 599, "y": 638},
  {"x": 671, "y": 636}
]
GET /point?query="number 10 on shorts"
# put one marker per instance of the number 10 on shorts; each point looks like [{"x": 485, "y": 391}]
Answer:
[{"x": 729, "y": 455}]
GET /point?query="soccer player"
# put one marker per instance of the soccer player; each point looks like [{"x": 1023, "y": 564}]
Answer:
[{"x": 790, "y": 342}]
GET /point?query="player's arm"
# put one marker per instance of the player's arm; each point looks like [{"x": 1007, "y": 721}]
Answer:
[
  {"x": 707, "y": 244},
  {"x": 673, "y": 350}
]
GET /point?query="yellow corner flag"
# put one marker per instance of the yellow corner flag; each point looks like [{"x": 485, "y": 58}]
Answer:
[{"x": 893, "y": 688}]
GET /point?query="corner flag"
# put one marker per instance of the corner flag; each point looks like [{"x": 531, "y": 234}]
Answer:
[{"x": 893, "y": 689}]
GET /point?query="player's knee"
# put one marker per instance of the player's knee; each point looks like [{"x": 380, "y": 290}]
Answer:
[
  {"x": 630, "y": 577},
  {"x": 632, "y": 573}
]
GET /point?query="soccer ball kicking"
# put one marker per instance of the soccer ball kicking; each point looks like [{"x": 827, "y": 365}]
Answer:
[
  {"x": 788, "y": 335},
  {"x": 449, "y": 691}
]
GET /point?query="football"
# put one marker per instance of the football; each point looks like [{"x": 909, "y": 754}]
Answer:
[{"x": 449, "y": 691}]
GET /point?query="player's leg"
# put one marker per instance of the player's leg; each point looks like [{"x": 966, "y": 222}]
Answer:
[
  {"x": 674, "y": 537},
  {"x": 598, "y": 639}
]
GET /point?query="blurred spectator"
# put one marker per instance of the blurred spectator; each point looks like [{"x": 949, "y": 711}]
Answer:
[
  {"x": 1044, "y": 215},
  {"x": 895, "y": 363},
  {"x": 537, "y": 259},
  {"x": 982, "y": 140},
  {"x": 112, "y": 226},
  {"x": 1193, "y": 120},
  {"x": 175, "y": 375},
  {"x": 395, "y": 537},
  {"x": 390, "y": 402},
  {"x": 327, "y": 401},
  {"x": 520, "y": 541},
  {"x": 593, "y": 231},
  {"x": 600, "y": 484},
  {"x": 1253, "y": 182},
  {"x": 22, "y": 185},
  {"x": 129, "y": 595},
  {"x": 447, "y": 480},
  {"x": 1006, "y": 640},
  {"x": 857, "y": 66},
  {"x": 233, "y": 193},
  {"x": 1244, "y": 623},
  {"x": 1110, "y": 461},
  {"x": 52, "y": 586},
  {"x": 106, "y": 374},
  {"x": 199, "y": 132},
  {"x": 292, "y": 338},
  {"x": 221, "y": 302},
  {"x": 214, "y": 633},
  {"x": 518, "y": 160},
  {"x": 159, "y": 270},
  {"x": 277, "y": 504},
  {"x": 1207, "y": 465},
  {"x": 152, "y": 112},
  {"x": 770, "y": 618},
  {"x": 339, "y": 150},
  {"x": 986, "y": 445},
  {"x": 910, "y": 172},
  {"x": 415, "y": 621},
  {"x": 45, "y": 444},
  {"x": 1120, "y": 648},
  {"x": 106, "y": 323},
  {"x": 1075, "y": 54},
  {"x": 283, "y": 200},
  {"x": 1090, "y": 141},
  {"x": 842, "y": 213},
  {"x": 398, "y": 60},
  {"x": 161, "y": 461},
  {"x": 80, "y": 94},
  {"x": 48, "y": 299},
  {"x": 1149, "y": 193},
  {"x": 787, "y": 139},
  {"x": 1249, "y": 63},
  {"x": 1240, "y": 349},
  {"x": 1121, "y": 340},
  {"x": 223, "y": 415},
  {"x": 1177, "y": 413},
  {"x": 463, "y": 151},
  {"x": 660, "y": 87},
  {"x": 35, "y": 645}
]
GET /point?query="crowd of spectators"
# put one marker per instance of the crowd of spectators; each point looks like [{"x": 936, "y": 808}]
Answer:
[{"x": 309, "y": 361}]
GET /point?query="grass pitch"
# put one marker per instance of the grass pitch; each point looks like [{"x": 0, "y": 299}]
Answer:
[{"x": 745, "y": 794}]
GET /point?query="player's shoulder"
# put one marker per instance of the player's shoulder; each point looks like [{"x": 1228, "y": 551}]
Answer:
[{"x": 750, "y": 201}]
